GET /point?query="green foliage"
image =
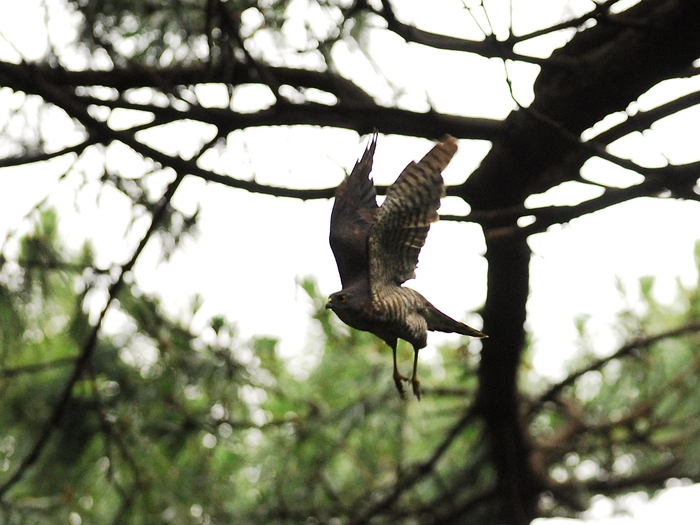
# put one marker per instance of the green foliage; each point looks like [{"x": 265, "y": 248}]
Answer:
[
  {"x": 629, "y": 421},
  {"x": 155, "y": 32},
  {"x": 158, "y": 33},
  {"x": 171, "y": 425},
  {"x": 168, "y": 424}
]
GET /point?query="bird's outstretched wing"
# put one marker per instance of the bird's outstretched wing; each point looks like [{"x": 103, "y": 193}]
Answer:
[
  {"x": 402, "y": 223},
  {"x": 353, "y": 212}
]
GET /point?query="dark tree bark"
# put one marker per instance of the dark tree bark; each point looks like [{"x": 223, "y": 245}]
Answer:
[{"x": 607, "y": 67}]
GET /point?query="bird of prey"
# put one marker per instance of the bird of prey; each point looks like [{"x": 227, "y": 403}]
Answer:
[{"x": 376, "y": 249}]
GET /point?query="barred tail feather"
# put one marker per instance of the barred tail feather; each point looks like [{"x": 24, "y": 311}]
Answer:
[{"x": 439, "y": 322}]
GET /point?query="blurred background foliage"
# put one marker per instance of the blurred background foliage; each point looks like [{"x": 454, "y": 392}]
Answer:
[{"x": 169, "y": 425}]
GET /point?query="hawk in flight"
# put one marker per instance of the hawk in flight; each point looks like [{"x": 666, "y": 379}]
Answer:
[{"x": 376, "y": 249}]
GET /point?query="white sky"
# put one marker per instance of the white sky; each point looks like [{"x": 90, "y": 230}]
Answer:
[{"x": 250, "y": 252}]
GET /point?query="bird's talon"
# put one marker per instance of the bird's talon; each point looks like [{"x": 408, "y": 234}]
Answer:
[
  {"x": 400, "y": 388},
  {"x": 416, "y": 387},
  {"x": 398, "y": 380}
]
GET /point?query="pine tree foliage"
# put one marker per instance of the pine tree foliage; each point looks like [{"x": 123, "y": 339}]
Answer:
[{"x": 172, "y": 425}]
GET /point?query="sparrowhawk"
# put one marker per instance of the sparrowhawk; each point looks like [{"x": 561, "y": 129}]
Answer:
[{"x": 376, "y": 249}]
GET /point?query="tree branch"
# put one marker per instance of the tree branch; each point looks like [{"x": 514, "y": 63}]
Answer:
[
  {"x": 644, "y": 119},
  {"x": 637, "y": 344},
  {"x": 21, "y": 160},
  {"x": 488, "y": 48},
  {"x": 390, "y": 120},
  {"x": 8, "y": 373},
  {"x": 362, "y": 119},
  {"x": 417, "y": 472},
  {"x": 655, "y": 477},
  {"x": 88, "y": 347},
  {"x": 678, "y": 180},
  {"x": 124, "y": 79}
]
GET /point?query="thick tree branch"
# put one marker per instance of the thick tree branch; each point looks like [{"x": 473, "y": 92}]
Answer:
[
  {"x": 364, "y": 120},
  {"x": 164, "y": 79},
  {"x": 615, "y": 64},
  {"x": 390, "y": 120},
  {"x": 677, "y": 181},
  {"x": 644, "y": 119}
]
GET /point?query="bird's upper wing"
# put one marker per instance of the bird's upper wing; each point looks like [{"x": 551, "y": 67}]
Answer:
[
  {"x": 402, "y": 223},
  {"x": 353, "y": 212}
]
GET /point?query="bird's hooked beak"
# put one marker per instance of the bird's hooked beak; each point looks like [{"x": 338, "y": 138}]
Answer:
[{"x": 328, "y": 303}]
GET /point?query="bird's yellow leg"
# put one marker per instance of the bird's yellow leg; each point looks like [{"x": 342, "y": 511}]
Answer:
[
  {"x": 414, "y": 380},
  {"x": 398, "y": 378}
]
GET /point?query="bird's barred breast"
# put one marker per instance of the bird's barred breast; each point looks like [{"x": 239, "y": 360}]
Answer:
[{"x": 399, "y": 309}]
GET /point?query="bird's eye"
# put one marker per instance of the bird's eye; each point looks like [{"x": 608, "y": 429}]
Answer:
[{"x": 343, "y": 298}]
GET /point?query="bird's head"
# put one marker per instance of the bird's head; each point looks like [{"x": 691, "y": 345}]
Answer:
[{"x": 338, "y": 300}]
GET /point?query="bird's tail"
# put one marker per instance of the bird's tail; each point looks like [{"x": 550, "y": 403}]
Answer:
[{"x": 439, "y": 322}]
